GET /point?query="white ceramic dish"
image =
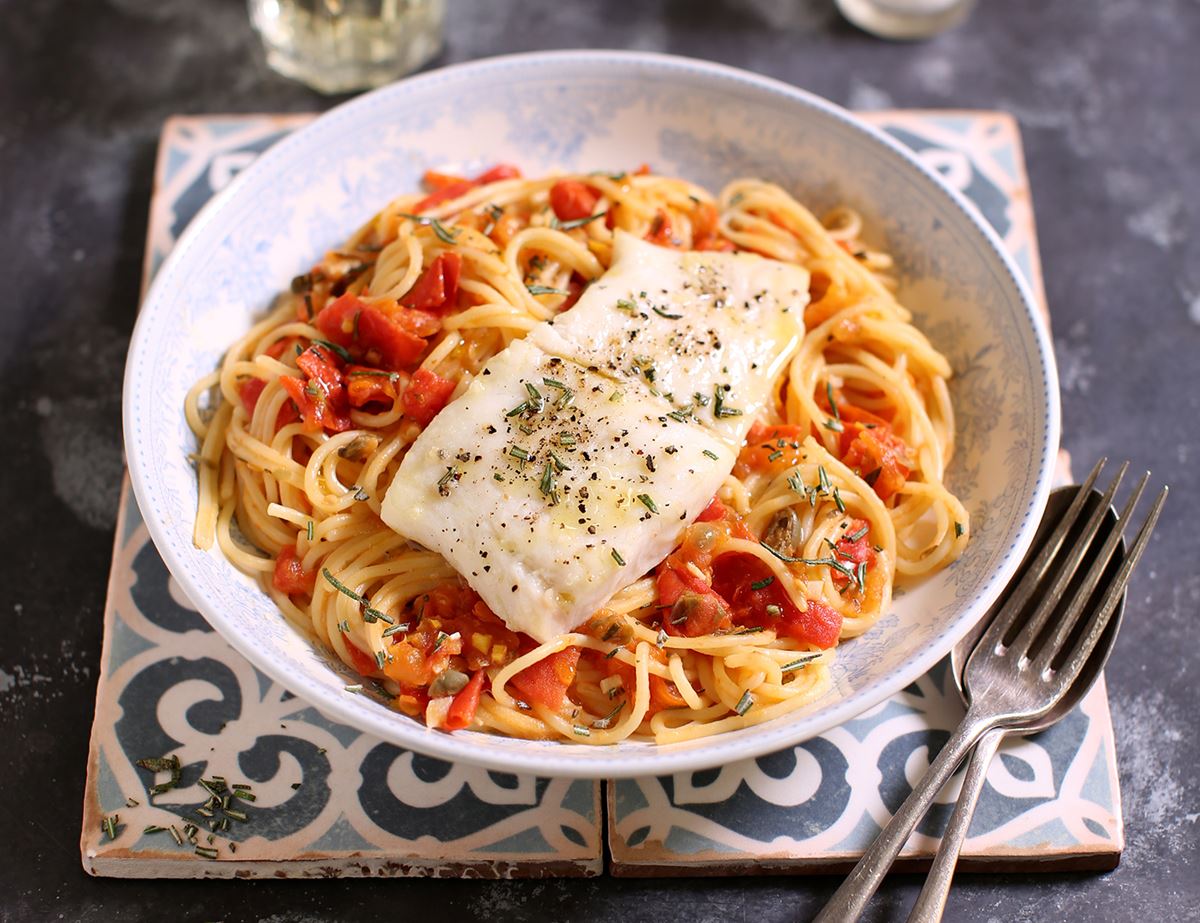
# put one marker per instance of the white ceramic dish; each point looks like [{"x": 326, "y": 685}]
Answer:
[{"x": 602, "y": 110}]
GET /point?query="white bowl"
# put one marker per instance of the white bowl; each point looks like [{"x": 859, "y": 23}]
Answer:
[{"x": 602, "y": 110}]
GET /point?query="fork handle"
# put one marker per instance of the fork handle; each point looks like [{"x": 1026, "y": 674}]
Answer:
[
  {"x": 849, "y": 900},
  {"x": 931, "y": 903}
]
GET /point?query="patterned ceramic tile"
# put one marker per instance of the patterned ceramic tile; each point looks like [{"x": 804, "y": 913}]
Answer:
[
  {"x": 330, "y": 801},
  {"x": 1051, "y": 801}
]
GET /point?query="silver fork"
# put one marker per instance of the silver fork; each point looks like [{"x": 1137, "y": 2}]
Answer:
[{"x": 1018, "y": 670}]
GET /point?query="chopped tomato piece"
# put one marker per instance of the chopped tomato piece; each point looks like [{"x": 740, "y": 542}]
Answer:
[
  {"x": 281, "y": 346},
  {"x": 660, "y": 231},
  {"x": 877, "y": 455},
  {"x": 673, "y": 582},
  {"x": 372, "y": 386},
  {"x": 436, "y": 180},
  {"x": 466, "y": 702},
  {"x": 315, "y": 410},
  {"x": 362, "y": 663},
  {"x": 290, "y": 576},
  {"x": 498, "y": 172},
  {"x": 643, "y": 170},
  {"x": 364, "y": 330},
  {"x": 757, "y": 598},
  {"x": 714, "y": 510},
  {"x": 437, "y": 287},
  {"x": 572, "y": 200},
  {"x": 770, "y": 448},
  {"x": 859, "y": 551},
  {"x": 664, "y": 694},
  {"x": 546, "y": 682},
  {"x": 427, "y": 393},
  {"x": 249, "y": 390},
  {"x": 705, "y": 225},
  {"x": 446, "y": 193},
  {"x": 696, "y": 614}
]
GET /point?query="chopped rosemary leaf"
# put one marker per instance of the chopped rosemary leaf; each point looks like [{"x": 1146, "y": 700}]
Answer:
[
  {"x": 109, "y": 825},
  {"x": 661, "y": 640},
  {"x": 613, "y": 653},
  {"x": 661, "y": 313},
  {"x": 395, "y": 629},
  {"x": 565, "y": 399},
  {"x": 801, "y": 661},
  {"x": 178, "y": 837},
  {"x": 553, "y": 383},
  {"x": 744, "y": 703},
  {"x": 439, "y": 229},
  {"x": 797, "y": 485},
  {"x": 309, "y": 530},
  {"x": 535, "y": 397},
  {"x": 341, "y": 587},
  {"x": 825, "y": 486},
  {"x": 835, "y": 425},
  {"x": 558, "y": 462},
  {"x": 719, "y": 408},
  {"x": 519, "y": 409},
  {"x": 361, "y": 495},
  {"x": 837, "y": 499},
  {"x": 580, "y": 731},
  {"x": 244, "y": 794},
  {"x": 206, "y": 851},
  {"x": 832, "y": 404},
  {"x": 566, "y": 439},
  {"x": 497, "y": 476},
  {"x": 380, "y": 659},
  {"x": 546, "y": 290},
  {"x": 711, "y": 454},
  {"x": 575, "y": 222},
  {"x": 616, "y": 556},
  {"x": 624, "y": 304},
  {"x": 958, "y": 530},
  {"x": 547, "y": 485},
  {"x": 616, "y": 396},
  {"x": 333, "y": 347},
  {"x": 860, "y": 575},
  {"x": 517, "y": 452},
  {"x": 648, "y": 502},
  {"x": 854, "y": 537},
  {"x": 354, "y": 687},
  {"x": 603, "y": 724},
  {"x": 450, "y": 477},
  {"x": 762, "y": 584},
  {"x": 775, "y": 456},
  {"x": 153, "y": 828},
  {"x": 373, "y": 373}
]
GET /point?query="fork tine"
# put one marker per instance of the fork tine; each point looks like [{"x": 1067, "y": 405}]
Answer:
[
  {"x": 1072, "y": 665},
  {"x": 1015, "y": 604},
  {"x": 1064, "y": 570},
  {"x": 1066, "y": 624}
]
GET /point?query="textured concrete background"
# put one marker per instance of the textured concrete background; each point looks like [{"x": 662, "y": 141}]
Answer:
[{"x": 1106, "y": 93}]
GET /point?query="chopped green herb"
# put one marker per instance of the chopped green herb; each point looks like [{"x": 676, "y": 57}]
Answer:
[
  {"x": 719, "y": 408},
  {"x": 576, "y": 222},
  {"x": 775, "y": 456},
  {"x": 450, "y": 477},
  {"x": 603, "y": 724},
  {"x": 624, "y": 304},
  {"x": 800, "y": 662},
  {"x": 554, "y": 383},
  {"x": 661, "y": 313},
  {"x": 958, "y": 530},
  {"x": 558, "y": 462},
  {"x": 109, "y": 824},
  {"x": 519, "y": 409},
  {"x": 361, "y": 495},
  {"x": 536, "y": 401},
  {"x": 616, "y": 556},
  {"x": 163, "y": 764},
  {"x": 744, "y": 703},
  {"x": 581, "y": 731},
  {"x": 837, "y": 499},
  {"x": 648, "y": 502},
  {"x": 854, "y": 537},
  {"x": 616, "y": 396},
  {"x": 517, "y": 452},
  {"x": 762, "y": 584},
  {"x": 835, "y": 425},
  {"x": 439, "y": 229},
  {"x": 354, "y": 687},
  {"x": 206, "y": 851},
  {"x": 153, "y": 828},
  {"x": 825, "y": 486},
  {"x": 333, "y": 347},
  {"x": 309, "y": 530},
  {"x": 547, "y": 485},
  {"x": 832, "y": 403},
  {"x": 860, "y": 575},
  {"x": 395, "y": 629},
  {"x": 244, "y": 794},
  {"x": 661, "y": 641},
  {"x": 711, "y": 454},
  {"x": 546, "y": 290}
]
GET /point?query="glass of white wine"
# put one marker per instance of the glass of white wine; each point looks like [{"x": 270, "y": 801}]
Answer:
[{"x": 338, "y": 46}]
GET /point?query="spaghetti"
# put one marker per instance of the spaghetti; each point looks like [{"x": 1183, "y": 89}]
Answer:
[{"x": 834, "y": 498}]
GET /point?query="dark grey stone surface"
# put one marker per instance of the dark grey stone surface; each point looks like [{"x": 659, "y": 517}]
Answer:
[{"x": 1106, "y": 93}]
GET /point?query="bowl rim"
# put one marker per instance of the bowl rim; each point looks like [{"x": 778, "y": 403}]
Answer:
[{"x": 582, "y": 760}]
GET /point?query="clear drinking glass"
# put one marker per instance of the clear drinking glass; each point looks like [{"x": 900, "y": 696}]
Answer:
[
  {"x": 905, "y": 19},
  {"x": 336, "y": 46}
]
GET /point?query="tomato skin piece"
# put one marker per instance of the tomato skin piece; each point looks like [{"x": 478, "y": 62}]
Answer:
[
  {"x": 317, "y": 413},
  {"x": 715, "y": 510},
  {"x": 880, "y": 450},
  {"x": 664, "y": 694},
  {"x": 290, "y": 576},
  {"x": 762, "y": 442},
  {"x": 249, "y": 390},
  {"x": 427, "y": 393},
  {"x": 436, "y": 287},
  {"x": 362, "y": 663},
  {"x": 446, "y": 193},
  {"x": 372, "y": 386},
  {"x": 465, "y": 704},
  {"x": 546, "y": 682},
  {"x": 498, "y": 172},
  {"x": 734, "y": 578},
  {"x": 361, "y": 329},
  {"x": 572, "y": 200},
  {"x": 673, "y": 582},
  {"x": 660, "y": 232}
]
